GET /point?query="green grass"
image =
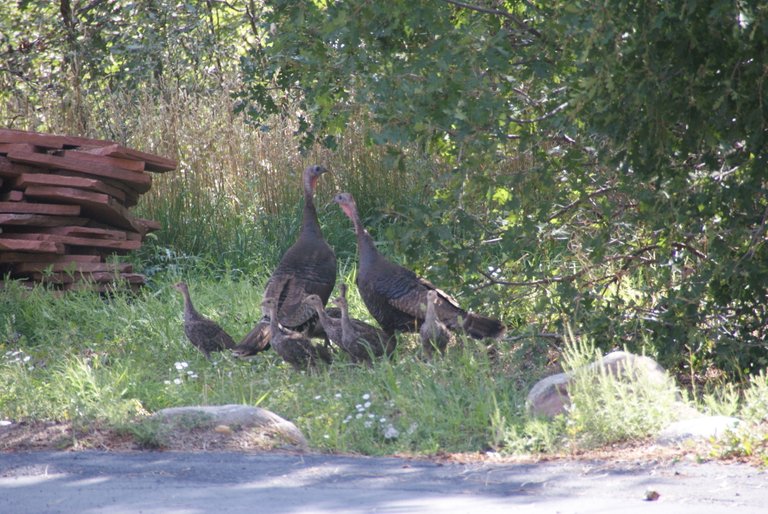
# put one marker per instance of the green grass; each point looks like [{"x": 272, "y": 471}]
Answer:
[
  {"x": 228, "y": 213},
  {"x": 89, "y": 359},
  {"x": 83, "y": 358}
]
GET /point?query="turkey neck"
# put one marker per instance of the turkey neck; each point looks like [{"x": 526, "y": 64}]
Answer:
[
  {"x": 189, "y": 309},
  {"x": 431, "y": 315},
  {"x": 346, "y": 324},
  {"x": 366, "y": 247},
  {"x": 325, "y": 320},
  {"x": 309, "y": 225}
]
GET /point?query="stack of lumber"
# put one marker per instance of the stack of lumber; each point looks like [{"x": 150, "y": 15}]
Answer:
[{"x": 65, "y": 209}]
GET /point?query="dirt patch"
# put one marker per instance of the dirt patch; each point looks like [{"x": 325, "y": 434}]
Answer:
[{"x": 61, "y": 436}]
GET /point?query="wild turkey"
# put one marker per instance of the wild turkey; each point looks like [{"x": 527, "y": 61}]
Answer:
[
  {"x": 395, "y": 296},
  {"x": 294, "y": 347},
  {"x": 359, "y": 339},
  {"x": 331, "y": 325},
  {"x": 202, "y": 332},
  {"x": 307, "y": 267},
  {"x": 434, "y": 334}
]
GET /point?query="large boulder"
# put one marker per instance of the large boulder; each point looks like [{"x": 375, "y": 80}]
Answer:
[
  {"x": 549, "y": 397},
  {"x": 222, "y": 427}
]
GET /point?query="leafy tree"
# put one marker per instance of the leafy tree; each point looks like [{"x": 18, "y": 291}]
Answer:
[
  {"x": 82, "y": 53},
  {"x": 612, "y": 155}
]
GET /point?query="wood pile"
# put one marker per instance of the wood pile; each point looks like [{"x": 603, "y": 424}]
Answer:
[{"x": 65, "y": 209}]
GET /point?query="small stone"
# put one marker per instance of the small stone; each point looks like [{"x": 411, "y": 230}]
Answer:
[
  {"x": 222, "y": 429},
  {"x": 651, "y": 495}
]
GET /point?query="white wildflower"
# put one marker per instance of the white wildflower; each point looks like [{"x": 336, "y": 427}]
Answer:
[{"x": 391, "y": 432}]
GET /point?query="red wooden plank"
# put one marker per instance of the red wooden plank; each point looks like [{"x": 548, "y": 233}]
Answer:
[
  {"x": 10, "y": 169},
  {"x": 96, "y": 233},
  {"x": 147, "y": 225},
  {"x": 40, "y": 220},
  {"x": 51, "y": 141},
  {"x": 118, "y": 162},
  {"x": 76, "y": 241},
  {"x": 12, "y": 196},
  {"x": 29, "y": 267},
  {"x": 40, "y": 208},
  {"x": 151, "y": 162},
  {"x": 101, "y": 207},
  {"x": 131, "y": 195},
  {"x": 140, "y": 181},
  {"x": 45, "y": 258},
  {"x": 90, "y": 184},
  {"x": 12, "y": 147},
  {"x": 23, "y": 245}
]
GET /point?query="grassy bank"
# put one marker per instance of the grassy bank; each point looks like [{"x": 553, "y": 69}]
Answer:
[{"x": 111, "y": 361}]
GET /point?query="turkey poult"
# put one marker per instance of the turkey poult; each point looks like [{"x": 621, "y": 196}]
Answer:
[
  {"x": 331, "y": 325},
  {"x": 294, "y": 347},
  {"x": 202, "y": 332},
  {"x": 307, "y": 267},
  {"x": 359, "y": 339},
  {"x": 395, "y": 296},
  {"x": 434, "y": 334}
]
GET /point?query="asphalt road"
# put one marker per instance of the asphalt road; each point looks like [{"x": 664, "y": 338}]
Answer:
[{"x": 193, "y": 483}]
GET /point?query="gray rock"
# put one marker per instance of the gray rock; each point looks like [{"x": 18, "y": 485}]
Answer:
[
  {"x": 549, "y": 397},
  {"x": 703, "y": 427},
  {"x": 224, "y": 418}
]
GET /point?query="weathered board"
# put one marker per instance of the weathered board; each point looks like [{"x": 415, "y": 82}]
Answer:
[{"x": 65, "y": 209}]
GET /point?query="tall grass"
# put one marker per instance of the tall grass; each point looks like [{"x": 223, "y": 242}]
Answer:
[
  {"x": 90, "y": 360},
  {"x": 237, "y": 192},
  {"x": 127, "y": 355}
]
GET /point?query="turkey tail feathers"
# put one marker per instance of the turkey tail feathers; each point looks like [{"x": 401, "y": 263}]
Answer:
[
  {"x": 481, "y": 327},
  {"x": 257, "y": 340}
]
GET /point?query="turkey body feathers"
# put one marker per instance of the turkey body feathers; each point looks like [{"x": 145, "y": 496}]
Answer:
[
  {"x": 307, "y": 267},
  {"x": 202, "y": 332},
  {"x": 396, "y": 297},
  {"x": 294, "y": 347}
]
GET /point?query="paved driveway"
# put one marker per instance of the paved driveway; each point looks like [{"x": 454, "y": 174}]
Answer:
[{"x": 192, "y": 483}]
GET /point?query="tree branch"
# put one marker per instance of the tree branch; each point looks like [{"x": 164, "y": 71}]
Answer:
[
  {"x": 496, "y": 12},
  {"x": 539, "y": 118},
  {"x": 579, "y": 200}
]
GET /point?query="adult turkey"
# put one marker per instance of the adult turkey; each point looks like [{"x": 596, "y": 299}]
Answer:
[
  {"x": 294, "y": 347},
  {"x": 307, "y": 267},
  {"x": 202, "y": 332},
  {"x": 396, "y": 297},
  {"x": 360, "y": 340},
  {"x": 433, "y": 332}
]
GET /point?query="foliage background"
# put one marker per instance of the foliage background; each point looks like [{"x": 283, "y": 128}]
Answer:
[{"x": 598, "y": 165}]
